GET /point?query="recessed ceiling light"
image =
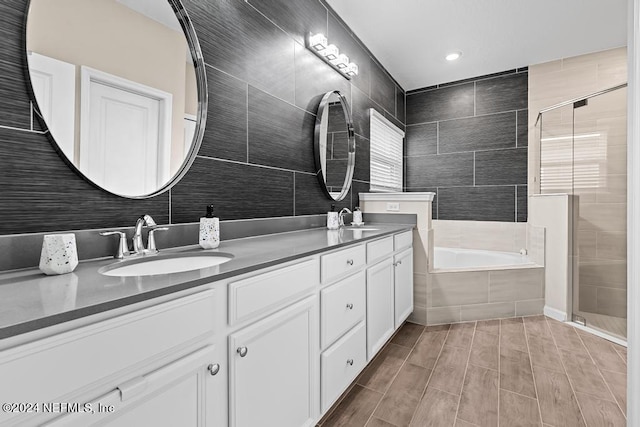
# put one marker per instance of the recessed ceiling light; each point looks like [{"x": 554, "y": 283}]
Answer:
[{"x": 453, "y": 56}]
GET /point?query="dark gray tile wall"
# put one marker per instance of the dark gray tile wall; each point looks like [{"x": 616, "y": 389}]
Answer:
[
  {"x": 467, "y": 142},
  {"x": 256, "y": 158}
]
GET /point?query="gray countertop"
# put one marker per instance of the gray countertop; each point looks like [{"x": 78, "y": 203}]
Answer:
[{"x": 29, "y": 300}]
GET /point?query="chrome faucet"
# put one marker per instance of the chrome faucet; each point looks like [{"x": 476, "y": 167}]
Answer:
[
  {"x": 341, "y": 216},
  {"x": 138, "y": 244}
]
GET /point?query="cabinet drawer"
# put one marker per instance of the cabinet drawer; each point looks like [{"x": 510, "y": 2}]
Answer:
[
  {"x": 379, "y": 249},
  {"x": 267, "y": 291},
  {"x": 55, "y": 367},
  {"x": 343, "y": 305},
  {"x": 341, "y": 363},
  {"x": 342, "y": 262},
  {"x": 402, "y": 240}
]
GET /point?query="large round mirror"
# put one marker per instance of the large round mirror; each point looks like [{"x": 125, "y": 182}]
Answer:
[
  {"x": 120, "y": 85},
  {"x": 335, "y": 146}
]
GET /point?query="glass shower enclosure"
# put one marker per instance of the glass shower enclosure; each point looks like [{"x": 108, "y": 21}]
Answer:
[{"x": 583, "y": 152}]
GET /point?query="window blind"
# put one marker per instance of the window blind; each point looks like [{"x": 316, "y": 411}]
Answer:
[{"x": 386, "y": 154}]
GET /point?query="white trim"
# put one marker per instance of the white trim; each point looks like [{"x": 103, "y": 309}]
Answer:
[
  {"x": 405, "y": 197},
  {"x": 88, "y": 75},
  {"x": 633, "y": 214},
  {"x": 598, "y": 333},
  {"x": 554, "y": 313}
]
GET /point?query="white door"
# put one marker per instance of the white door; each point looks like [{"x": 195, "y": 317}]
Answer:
[
  {"x": 380, "y": 320},
  {"x": 273, "y": 369},
  {"x": 54, "y": 85},
  {"x": 403, "y": 263},
  {"x": 125, "y": 142}
]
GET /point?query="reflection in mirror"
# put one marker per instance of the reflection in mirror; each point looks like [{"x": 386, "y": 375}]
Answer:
[
  {"x": 335, "y": 147},
  {"x": 121, "y": 88}
]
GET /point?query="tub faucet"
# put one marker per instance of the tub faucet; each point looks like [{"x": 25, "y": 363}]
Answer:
[
  {"x": 138, "y": 244},
  {"x": 341, "y": 216}
]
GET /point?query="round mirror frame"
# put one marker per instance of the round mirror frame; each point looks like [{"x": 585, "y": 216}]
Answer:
[
  {"x": 201, "y": 117},
  {"x": 351, "y": 145}
]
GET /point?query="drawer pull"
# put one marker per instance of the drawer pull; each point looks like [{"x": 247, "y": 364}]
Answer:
[
  {"x": 242, "y": 351},
  {"x": 350, "y": 306},
  {"x": 350, "y": 362},
  {"x": 395, "y": 264},
  {"x": 350, "y": 261},
  {"x": 213, "y": 368}
]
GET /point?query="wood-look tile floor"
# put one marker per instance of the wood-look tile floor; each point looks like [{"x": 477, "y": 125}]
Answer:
[{"x": 531, "y": 371}]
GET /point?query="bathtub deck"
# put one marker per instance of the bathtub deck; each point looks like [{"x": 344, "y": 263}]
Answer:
[{"x": 513, "y": 372}]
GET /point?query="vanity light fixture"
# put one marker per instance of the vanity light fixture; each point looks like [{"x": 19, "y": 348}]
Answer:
[
  {"x": 342, "y": 61},
  {"x": 453, "y": 56},
  {"x": 318, "y": 44}
]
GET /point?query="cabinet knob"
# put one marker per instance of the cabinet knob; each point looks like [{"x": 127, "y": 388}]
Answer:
[
  {"x": 395, "y": 264},
  {"x": 350, "y": 261},
  {"x": 350, "y": 362},
  {"x": 242, "y": 351},
  {"x": 213, "y": 368},
  {"x": 350, "y": 306}
]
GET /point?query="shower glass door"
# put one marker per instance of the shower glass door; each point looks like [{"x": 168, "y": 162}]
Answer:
[
  {"x": 583, "y": 148},
  {"x": 600, "y": 182}
]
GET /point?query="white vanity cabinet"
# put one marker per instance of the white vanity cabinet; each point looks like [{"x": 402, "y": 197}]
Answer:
[
  {"x": 129, "y": 364},
  {"x": 273, "y": 347},
  {"x": 380, "y": 305},
  {"x": 403, "y": 285},
  {"x": 273, "y": 369}
]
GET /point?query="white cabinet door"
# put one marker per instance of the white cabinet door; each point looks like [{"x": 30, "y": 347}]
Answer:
[
  {"x": 273, "y": 369},
  {"x": 186, "y": 392},
  {"x": 403, "y": 263},
  {"x": 380, "y": 294}
]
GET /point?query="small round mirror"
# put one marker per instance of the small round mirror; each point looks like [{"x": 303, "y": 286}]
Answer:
[
  {"x": 121, "y": 88},
  {"x": 335, "y": 146}
]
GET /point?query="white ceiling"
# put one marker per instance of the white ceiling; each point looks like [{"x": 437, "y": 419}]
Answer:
[{"x": 411, "y": 37}]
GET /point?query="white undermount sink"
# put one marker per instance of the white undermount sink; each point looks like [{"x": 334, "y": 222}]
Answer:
[{"x": 164, "y": 264}]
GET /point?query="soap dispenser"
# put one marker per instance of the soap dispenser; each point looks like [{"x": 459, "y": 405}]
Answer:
[
  {"x": 209, "y": 230},
  {"x": 357, "y": 216},
  {"x": 333, "y": 221}
]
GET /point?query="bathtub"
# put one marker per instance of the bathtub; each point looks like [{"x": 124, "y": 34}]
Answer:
[
  {"x": 474, "y": 259},
  {"x": 469, "y": 284}
]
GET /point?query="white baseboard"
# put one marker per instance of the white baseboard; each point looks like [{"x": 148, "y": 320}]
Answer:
[{"x": 556, "y": 314}]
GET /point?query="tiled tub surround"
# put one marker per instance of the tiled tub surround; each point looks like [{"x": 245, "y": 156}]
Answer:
[
  {"x": 467, "y": 141},
  {"x": 483, "y": 293},
  {"x": 256, "y": 158},
  {"x": 30, "y": 301}
]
